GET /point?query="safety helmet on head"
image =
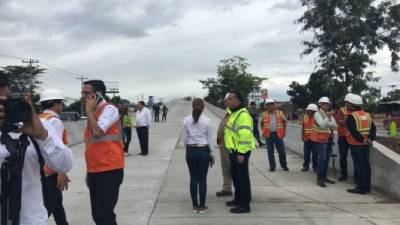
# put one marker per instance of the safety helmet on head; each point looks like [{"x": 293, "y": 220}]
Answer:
[
  {"x": 348, "y": 97},
  {"x": 226, "y": 96},
  {"x": 51, "y": 94},
  {"x": 324, "y": 100},
  {"x": 312, "y": 107},
  {"x": 269, "y": 100},
  {"x": 356, "y": 100}
]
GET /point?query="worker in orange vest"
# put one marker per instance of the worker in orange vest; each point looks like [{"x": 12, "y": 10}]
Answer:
[
  {"x": 321, "y": 135},
  {"x": 306, "y": 128},
  {"x": 274, "y": 129},
  {"x": 362, "y": 132},
  {"x": 104, "y": 152},
  {"x": 52, "y": 104},
  {"x": 341, "y": 117}
]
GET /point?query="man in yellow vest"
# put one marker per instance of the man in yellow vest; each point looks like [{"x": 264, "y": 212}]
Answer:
[
  {"x": 274, "y": 129},
  {"x": 362, "y": 132},
  {"x": 104, "y": 152},
  {"x": 341, "y": 117},
  {"x": 324, "y": 123},
  {"x": 307, "y": 126},
  {"x": 52, "y": 104},
  {"x": 239, "y": 141}
]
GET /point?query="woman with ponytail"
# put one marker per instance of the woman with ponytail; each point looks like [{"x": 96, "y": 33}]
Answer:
[{"x": 197, "y": 136}]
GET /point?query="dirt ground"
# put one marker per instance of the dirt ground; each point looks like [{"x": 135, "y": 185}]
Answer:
[{"x": 390, "y": 142}]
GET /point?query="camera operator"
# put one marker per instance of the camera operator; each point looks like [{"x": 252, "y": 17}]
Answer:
[{"x": 50, "y": 147}]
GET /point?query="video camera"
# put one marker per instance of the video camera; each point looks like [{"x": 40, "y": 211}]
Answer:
[{"x": 17, "y": 110}]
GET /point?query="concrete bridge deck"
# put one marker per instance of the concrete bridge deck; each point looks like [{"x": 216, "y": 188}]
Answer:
[{"x": 156, "y": 189}]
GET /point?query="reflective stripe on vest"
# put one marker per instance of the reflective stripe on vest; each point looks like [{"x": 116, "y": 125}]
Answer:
[
  {"x": 318, "y": 134},
  {"x": 308, "y": 123},
  {"x": 279, "y": 124},
  {"x": 363, "y": 123},
  {"x": 342, "y": 129}
]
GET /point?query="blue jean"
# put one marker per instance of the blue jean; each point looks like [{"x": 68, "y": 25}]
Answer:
[
  {"x": 272, "y": 140},
  {"x": 197, "y": 159},
  {"x": 362, "y": 166},
  {"x": 328, "y": 156},
  {"x": 322, "y": 149},
  {"x": 310, "y": 154}
]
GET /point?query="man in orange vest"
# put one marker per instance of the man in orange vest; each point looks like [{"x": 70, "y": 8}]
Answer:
[
  {"x": 341, "y": 117},
  {"x": 324, "y": 123},
  {"x": 274, "y": 129},
  {"x": 307, "y": 126},
  {"x": 362, "y": 132},
  {"x": 104, "y": 152},
  {"x": 52, "y": 104}
]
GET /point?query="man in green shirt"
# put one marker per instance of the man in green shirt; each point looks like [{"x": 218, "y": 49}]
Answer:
[{"x": 127, "y": 124}]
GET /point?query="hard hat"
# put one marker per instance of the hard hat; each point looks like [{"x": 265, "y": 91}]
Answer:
[
  {"x": 324, "y": 100},
  {"x": 355, "y": 100},
  {"x": 51, "y": 94},
  {"x": 312, "y": 107},
  {"x": 348, "y": 97},
  {"x": 226, "y": 96},
  {"x": 269, "y": 100}
]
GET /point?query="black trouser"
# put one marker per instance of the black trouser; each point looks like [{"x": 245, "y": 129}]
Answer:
[
  {"x": 241, "y": 179},
  {"x": 343, "y": 153},
  {"x": 256, "y": 134},
  {"x": 127, "y": 137},
  {"x": 143, "y": 135},
  {"x": 104, "y": 191},
  {"x": 362, "y": 166},
  {"x": 197, "y": 159},
  {"x": 53, "y": 200},
  {"x": 157, "y": 117},
  {"x": 310, "y": 154},
  {"x": 164, "y": 117}
]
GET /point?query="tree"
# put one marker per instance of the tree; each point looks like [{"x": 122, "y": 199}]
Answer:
[
  {"x": 23, "y": 79},
  {"x": 231, "y": 75},
  {"x": 393, "y": 95},
  {"x": 347, "y": 34}
]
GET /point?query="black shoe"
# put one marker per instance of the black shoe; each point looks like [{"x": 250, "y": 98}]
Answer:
[
  {"x": 305, "y": 169},
  {"x": 321, "y": 183},
  {"x": 140, "y": 154},
  {"x": 261, "y": 144},
  {"x": 285, "y": 168},
  {"x": 223, "y": 193},
  {"x": 232, "y": 203},
  {"x": 239, "y": 209},
  {"x": 326, "y": 180},
  {"x": 356, "y": 191},
  {"x": 315, "y": 169},
  {"x": 342, "y": 178},
  {"x": 271, "y": 169}
]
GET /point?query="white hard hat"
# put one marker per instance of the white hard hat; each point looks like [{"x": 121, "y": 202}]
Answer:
[
  {"x": 348, "y": 97},
  {"x": 355, "y": 100},
  {"x": 226, "y": 96},
  {"x": 324, "y": 100},
  {"x": 51, "y": 94},
  {"x": 312, "y": 107},
  {"x": 269, "y": 100}
]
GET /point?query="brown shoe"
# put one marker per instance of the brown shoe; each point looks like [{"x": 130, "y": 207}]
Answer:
[
  {"x": 202, "y": 210},
  {"x": 223, "y": 193}
]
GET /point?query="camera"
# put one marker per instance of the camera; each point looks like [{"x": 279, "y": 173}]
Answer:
[{"x": 17, "y": 110}]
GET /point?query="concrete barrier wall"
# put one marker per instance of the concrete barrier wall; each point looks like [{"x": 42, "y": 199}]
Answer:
[
  {"x": 75, "y": 131},
  {"x": 385, "y": 163}
]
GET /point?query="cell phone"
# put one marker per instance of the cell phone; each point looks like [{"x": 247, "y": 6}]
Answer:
[{"x": 99, "y": 97}]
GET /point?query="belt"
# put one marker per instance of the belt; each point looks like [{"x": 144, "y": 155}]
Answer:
[{"x": 197, "y": 145}]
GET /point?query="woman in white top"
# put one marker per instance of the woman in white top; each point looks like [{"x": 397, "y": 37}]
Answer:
[{"x": 197, "y": 136}]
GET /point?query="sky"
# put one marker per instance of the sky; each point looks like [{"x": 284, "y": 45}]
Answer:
[{"x": 160, "y": 47}]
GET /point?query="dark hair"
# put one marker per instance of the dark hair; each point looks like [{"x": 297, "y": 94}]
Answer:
[
  {"x": 48, "y": 104},
  {"x": 97, "y": 85},
  {"x": 198, "y": 106},
  {"x": 142, "y": 102},
  {"x": 238, "y": 95},
  {"x": 3, "y": 79},
  {"x": 252, "y": 103}
]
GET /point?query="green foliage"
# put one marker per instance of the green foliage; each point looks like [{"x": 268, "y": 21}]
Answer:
[
  {"x": 23, "y": 79},
  {"x": 392, "y": 96},
  {"x": 231, "y": 75},
  {"x": 347, "y": 34}
]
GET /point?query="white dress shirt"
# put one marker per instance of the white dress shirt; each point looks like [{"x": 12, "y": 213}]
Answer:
[
  {"x": 328, "y": 122},
  {"x": 143, "y": 118},
  {"x": 55, "y": 122},
  {"x": 108, "y": 117},
  {"x": 197, "y": 133},
  {"x": 57, "y": 155}
]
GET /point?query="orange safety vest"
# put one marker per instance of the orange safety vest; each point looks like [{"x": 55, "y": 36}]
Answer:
[
  {"x": 308, "y": 123},
  {"x": 279, "y": 124},
  {"x": 363, "y": 124},
  {"x": 319, "y": 134},
  {"x": 104, "y": 153},
  {"x": 342, "y": 129},
  {"x": 47, "y": 116}
]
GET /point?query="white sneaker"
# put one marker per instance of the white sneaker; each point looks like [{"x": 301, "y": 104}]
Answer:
[{"x": 202, "y": 210}]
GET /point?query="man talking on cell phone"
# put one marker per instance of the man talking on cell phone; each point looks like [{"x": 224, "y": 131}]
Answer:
[{"x": 104, "y": 152}]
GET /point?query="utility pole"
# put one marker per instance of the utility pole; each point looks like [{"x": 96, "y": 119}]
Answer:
[
  {"x": 30, "y": 61},
  {"x": 392, "y": 86},
  {"x": 81, "y": 78}
]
